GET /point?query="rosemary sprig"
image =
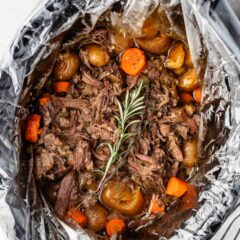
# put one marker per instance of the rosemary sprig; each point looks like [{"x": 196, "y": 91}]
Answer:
[{"x": 132, "y": 106}]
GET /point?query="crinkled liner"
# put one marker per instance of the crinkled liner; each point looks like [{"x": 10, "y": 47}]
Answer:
[{"x": 212, "y": 32}]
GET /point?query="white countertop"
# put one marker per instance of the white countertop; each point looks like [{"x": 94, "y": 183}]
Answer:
[{"x": 13, "y": 14}]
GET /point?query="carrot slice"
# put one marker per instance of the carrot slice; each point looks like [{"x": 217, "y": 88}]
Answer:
[
  {"x": 189, "y": 199},
  {"x": 33, "y": 124},
  {"x": 133, "y": 61},
  {"x": 77, "y": 216},
  {"x": 156, "y": 206},
  {"x": 197, "y": 95},
  {"x": 61, "y": 86},
  {"x": 114, "y": 226},
  {"x": 186, "y": 97},
  {"x": 176, "y": 187},
  {"x": 43, "y": 101}
]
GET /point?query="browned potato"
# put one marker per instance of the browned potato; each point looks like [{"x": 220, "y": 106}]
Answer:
[
  {"x": 151, "y": 26},
  {"x": 190, "y": 153},
  {"x": 190, "y": 109},
  {"x": 97, "y": 56},
  {"x": 176, "y": 56},
  {"x": 188, "y": 81},
  {"x": 66, "y": 66},
  {"x": 97, "y": 218},
  {"x": 188, "y": 59},
  {"x": 120, "y": 42},
  {"x": 156, "y": 45},
  {"x": 179, "y": 71},
  {"x": 122, "y": 198}
]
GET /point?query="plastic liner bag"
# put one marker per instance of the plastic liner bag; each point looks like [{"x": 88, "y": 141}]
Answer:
[{"x": 212, "y": 32}]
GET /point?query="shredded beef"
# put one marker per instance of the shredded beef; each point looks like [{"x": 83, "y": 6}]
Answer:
[
  {"x": 67, "y": 196},
  {"x": 175, "y": 149},
  {"x": 82, "y": 156}
]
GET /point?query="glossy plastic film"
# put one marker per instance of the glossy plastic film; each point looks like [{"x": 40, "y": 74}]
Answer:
[{"x": 212, "y": 32}]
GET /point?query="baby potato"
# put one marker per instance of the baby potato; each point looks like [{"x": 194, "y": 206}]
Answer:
[
  {"x": 97, "y": 217},
  {"x": 179, "y": 71},
  {"x": 190, "y": 153},
  {"x": 188, "y": 81},
  {"x": 120, "y": 42},
  {"x": 122, "y": 198},
  {"x": 66, "y": 66},
  {"x": 176, "y": 56},
  {"x": 188, "y": 59},
  {"x": 151, "y": 26},
  {"x": 157, "y": 45},
  {"x": 97, "y": 56}
]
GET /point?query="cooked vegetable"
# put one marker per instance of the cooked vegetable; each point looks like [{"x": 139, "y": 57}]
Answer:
[
  {"x": 157, "y": 45},
  {"x": 43, "y": 101},
  {"x": 151, "y": 26},
  {"x": 120, "y": 41},
  {"x": 176, "y": 187},
  {"x": 114, "y": 226},
  {"x": 32, "y": 129},
  {"x": 66, "y": 66},
  {"x": 197, "y": 93},
  {"x": 133, "y": 61},
  {"x": 97, "y": 217},
  {"x": 189, "y": 199},
  {"x": 188, "y": 59},
  {"x": 123, "y": 198},
  {"x": 61, "y": 87},
  {"x": 188, "y": 81},
  {"x": 186, "y": 97},
  {"x": 190, "y": 153},
  {"x": 190, "y": 109},
  {"x": 97, "y": 56},
  {"x": 156, "y": 205},
  {"x": 176, "y": 56},
  {"x": 179, "y": 71},
  {"x": 78, "y": 217}
]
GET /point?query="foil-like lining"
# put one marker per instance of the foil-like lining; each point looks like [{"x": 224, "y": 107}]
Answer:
[{"x": 212, "y": 32}]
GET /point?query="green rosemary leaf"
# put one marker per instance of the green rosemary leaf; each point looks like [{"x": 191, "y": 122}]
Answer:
[
  {"x": 132, "y": 107},
  {"x": 131, "y": 123}
]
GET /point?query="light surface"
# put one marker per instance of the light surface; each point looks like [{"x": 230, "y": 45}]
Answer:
[{"x": 13, "y": 15}]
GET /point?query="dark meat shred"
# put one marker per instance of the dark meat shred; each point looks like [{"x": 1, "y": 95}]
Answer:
[
  {"x": 175, "y": 149},
  {"x": 82, "y": 156},
  {"x": 67, "y": 196}
]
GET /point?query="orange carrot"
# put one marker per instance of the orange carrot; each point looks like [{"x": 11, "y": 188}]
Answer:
[
  {"x": 43, "y": 101},
  {"x": 176, "y": 187},
  {"x": 189, "y": 199},
  {"x": 156, "y": 206},
  {"x": 197, "y": 95},
  {"x": 186, "y": 97},
  {"x": 61, "y": 86},
  {"x": 33, "y": 123},
  {"x": 77, "y": 216},
  {"x": 133, "y": 61},
  {"x": 115, "y": 225}
]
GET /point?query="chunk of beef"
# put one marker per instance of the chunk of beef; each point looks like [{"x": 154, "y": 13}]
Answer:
[
  {"x": 174, "y": 148},
  {"x": 67, "y": 196},
  {"x": 82, "y": 156},
  {"x": 148, "y": 170},
  {"x": 182, "y": 131},
  {"x": 87, "y": 78},
  {"x": 43, "y": 163},
  {"x": 164, "y": 129},
  {"x": 105, "y": 131},
  {"x": 78, "y": 103}
]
